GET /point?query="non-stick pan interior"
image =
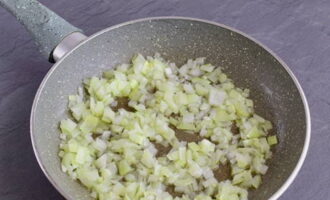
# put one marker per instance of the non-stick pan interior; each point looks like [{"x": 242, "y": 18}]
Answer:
[{"x": 274, "y": 92}]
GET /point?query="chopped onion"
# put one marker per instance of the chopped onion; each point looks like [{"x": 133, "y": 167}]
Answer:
[{"x": 115, "y": 152}]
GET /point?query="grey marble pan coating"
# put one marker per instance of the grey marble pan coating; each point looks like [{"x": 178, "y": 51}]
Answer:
[
  {"x": 290, "y": 40},
  {"x": 163, "y": 35},
  {"x": 276, "y": 93}
]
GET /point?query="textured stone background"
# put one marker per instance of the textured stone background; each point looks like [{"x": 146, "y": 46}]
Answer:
[{"x": 297, "y": 30}]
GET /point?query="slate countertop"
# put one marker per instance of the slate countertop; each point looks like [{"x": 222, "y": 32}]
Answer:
[{"x": 297, "y": 30}]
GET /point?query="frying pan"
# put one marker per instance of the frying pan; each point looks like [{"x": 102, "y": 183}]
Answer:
[{"x": 274, "y": 89}]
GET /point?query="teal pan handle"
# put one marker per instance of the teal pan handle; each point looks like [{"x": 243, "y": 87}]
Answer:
[{"x": 47, "y": 28}]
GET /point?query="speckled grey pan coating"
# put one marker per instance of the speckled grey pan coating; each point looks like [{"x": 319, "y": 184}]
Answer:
[{"x": 276, "y": 93}]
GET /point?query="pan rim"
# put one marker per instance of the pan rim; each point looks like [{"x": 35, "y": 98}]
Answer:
[{"x": 303, "y": 155}]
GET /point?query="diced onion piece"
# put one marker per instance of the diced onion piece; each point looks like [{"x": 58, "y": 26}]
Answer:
[
  {"x": 207, "y": 146},
  {"x": 272, "y": 140},
  {"x": 124, "y": 167},
  {"x": 217, "y": 97},
  {"x": 67, "y": 126},
  {"x": 89, "y": 124}
]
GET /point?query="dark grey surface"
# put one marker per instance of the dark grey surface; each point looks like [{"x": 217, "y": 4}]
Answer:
[{"x": 298, "y": 31}]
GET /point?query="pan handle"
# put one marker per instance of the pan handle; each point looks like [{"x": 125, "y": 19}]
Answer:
[{"x": 53, "y": 35}]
